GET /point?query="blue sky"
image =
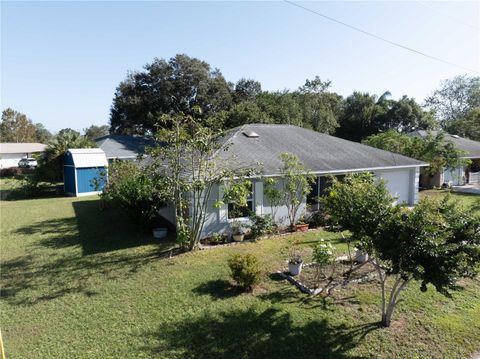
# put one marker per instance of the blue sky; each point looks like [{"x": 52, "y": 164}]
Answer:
[{"x": 61, "y": 61}]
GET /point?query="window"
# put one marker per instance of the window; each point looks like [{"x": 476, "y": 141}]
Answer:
[{"x": 236, "y": 211}]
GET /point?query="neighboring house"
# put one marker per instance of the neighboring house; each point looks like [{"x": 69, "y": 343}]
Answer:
[
  {"x": 322, "y": 155},
  {"x": 12, "y": 153},
  {"x": 123, "y": 147},
  {"x": 84, "y": 171},
  {"x": 458, "y": 176}
]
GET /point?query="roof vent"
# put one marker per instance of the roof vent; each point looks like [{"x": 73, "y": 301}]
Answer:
[
  {"x": 251, "y": 134},
  {"x": 455, "y": 136}
]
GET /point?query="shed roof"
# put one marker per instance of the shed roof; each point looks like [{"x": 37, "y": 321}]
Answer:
[
  {"x": 88, "y": 157},
  {"x": 472, "y": 148},
  {"x": 123, "y": 146},
  {"x": 319, "y": 152},
  {"x": 10, "y": 147}
]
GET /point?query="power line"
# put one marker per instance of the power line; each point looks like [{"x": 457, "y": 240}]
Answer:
[{"x": 380, "y": 37}]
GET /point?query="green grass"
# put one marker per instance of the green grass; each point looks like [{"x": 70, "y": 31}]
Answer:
[{"x": 81, "y": 283}]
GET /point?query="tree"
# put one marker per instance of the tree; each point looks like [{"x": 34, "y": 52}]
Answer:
[
  {"x": 246, "y": 90},
  {"x": 168, "y": 87},
  {"x": 437, "y": 242},
  {"x": 404, "y": 115},
  {"x": 16, "y": 127},
  {"x": 455, "y": 98},
  {"x": 295, "y": 185},
  {"x": 359, "y": 204},
  {"x": 468, "y": 126},
  {"x": 358, "y": 115},
  {"x": 435, "y": 150},
  {"x": 245, "y": 112},
  {"x": 94, "y": 131},
  {"x": 187, "y": 163},
  {"x": 50, "y": 165},
  {"x": 140, "y": 191},
  {"x": 42, "y": 134}
]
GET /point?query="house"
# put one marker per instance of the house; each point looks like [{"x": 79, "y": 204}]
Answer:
[
  {"x": 84, "y": 171},
  {"x": 459, "y": 176},
  {"x": 322, "y": 154},
  {"x": 123, "y": 147},
  {"x": 12, "y": 153}
]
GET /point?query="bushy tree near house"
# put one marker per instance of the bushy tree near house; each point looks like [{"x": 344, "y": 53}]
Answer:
[
  {"x": 440, "y": 154},
  {"x": 139, "y": 190},
  {"x": 179, "y": 85},
  {"x": 186, "y": 160},
  {"x": 295, "y": 185},
  {"x": 95, "y": 131},
  {"x": 436, "y": 242}
]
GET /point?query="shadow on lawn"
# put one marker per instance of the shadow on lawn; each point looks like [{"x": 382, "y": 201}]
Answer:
[
  {"x": 249, "y": 334},
  {"x": 36, "y": 277},
  {"x": 94, "y": 230},
  {"x": 218, "y": 289}
]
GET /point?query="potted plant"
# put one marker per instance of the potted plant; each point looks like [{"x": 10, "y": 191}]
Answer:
[
  {"x": 295, "y": 263},
  {"x": 360, "y": 255},
  {"x": 301, "y": 226},
  {"x": 238, "y": 232}
]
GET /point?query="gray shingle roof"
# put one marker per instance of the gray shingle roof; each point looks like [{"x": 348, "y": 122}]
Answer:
[
  {"x": 319, "y": 152},
  {"x": 471, "y": 147},
  {"x": 123, "y": 146}
]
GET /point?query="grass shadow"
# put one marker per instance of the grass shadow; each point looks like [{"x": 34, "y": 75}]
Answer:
[
  {"x": 101, "y": 236},
  {"x": 217, "y": 289},
  {"x": 251, "y": 334}
]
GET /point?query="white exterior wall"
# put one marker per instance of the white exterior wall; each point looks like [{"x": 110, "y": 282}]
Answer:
[
  {"x": 8, "y": 160},
  {"x": 402, "y": 183},
  {"x": 217, "y": 218}
]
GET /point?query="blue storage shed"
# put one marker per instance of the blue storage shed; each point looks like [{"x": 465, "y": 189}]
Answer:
[{"x": 84, "y": 171}]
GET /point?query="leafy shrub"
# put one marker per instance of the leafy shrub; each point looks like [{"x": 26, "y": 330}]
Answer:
[
  {"x": 245, "y": 270},
  {"x": 136, "y": 190},
  {"x": 217, "y": 238},
  {"x": 323, "y": 253},
  {"x": 261, "y": 225},
  {"x": 14, "y": 171},
  {"x": 318, "y": 218}
]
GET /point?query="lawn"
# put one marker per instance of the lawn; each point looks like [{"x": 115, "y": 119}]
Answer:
[{"x": 81, "y": 283}]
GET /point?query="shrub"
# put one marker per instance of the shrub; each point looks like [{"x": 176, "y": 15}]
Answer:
[
  {"x": 323, "y": 253},
  {"x": 261, "y": 225},
  {"x": 245, "y": 270},
  {"x": 14, "y": 171},
  {"x": 136, "y": 190}
]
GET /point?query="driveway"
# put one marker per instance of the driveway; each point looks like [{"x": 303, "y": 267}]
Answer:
[{"x": 473, "y": 189}]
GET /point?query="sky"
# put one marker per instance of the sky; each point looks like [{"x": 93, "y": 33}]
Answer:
[{"x": 61, "y": 61}]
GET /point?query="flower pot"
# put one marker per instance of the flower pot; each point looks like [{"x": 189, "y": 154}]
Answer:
[
  {"x": 361, "y": 256},
  {"x": 160, "y": 233},
  {"x": 238, "y": 237},
  {"x": 295, "y": 268},
  {"x": 301, "y": 227}
]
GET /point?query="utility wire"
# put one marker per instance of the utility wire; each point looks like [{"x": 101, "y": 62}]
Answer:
[{"x": 380, "y": 37}]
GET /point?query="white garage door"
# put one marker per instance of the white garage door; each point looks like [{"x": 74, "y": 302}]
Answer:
[{"x": 398, "y": 183}]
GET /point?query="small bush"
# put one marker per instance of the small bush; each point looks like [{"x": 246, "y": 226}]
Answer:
[
  {"x": 15, "y": 171},
  {"x": 245, "y": 270},
  {"x": 261, "y": 225},
  {"x": 324, "y": 253}
]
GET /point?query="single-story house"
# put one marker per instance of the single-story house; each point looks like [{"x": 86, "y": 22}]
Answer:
[
  {"x": 322, "y": 155},
  {"x": 123, "y": 147},
  {"x": 453, "y": 177},
  {"x": 12, "y": 153}
]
